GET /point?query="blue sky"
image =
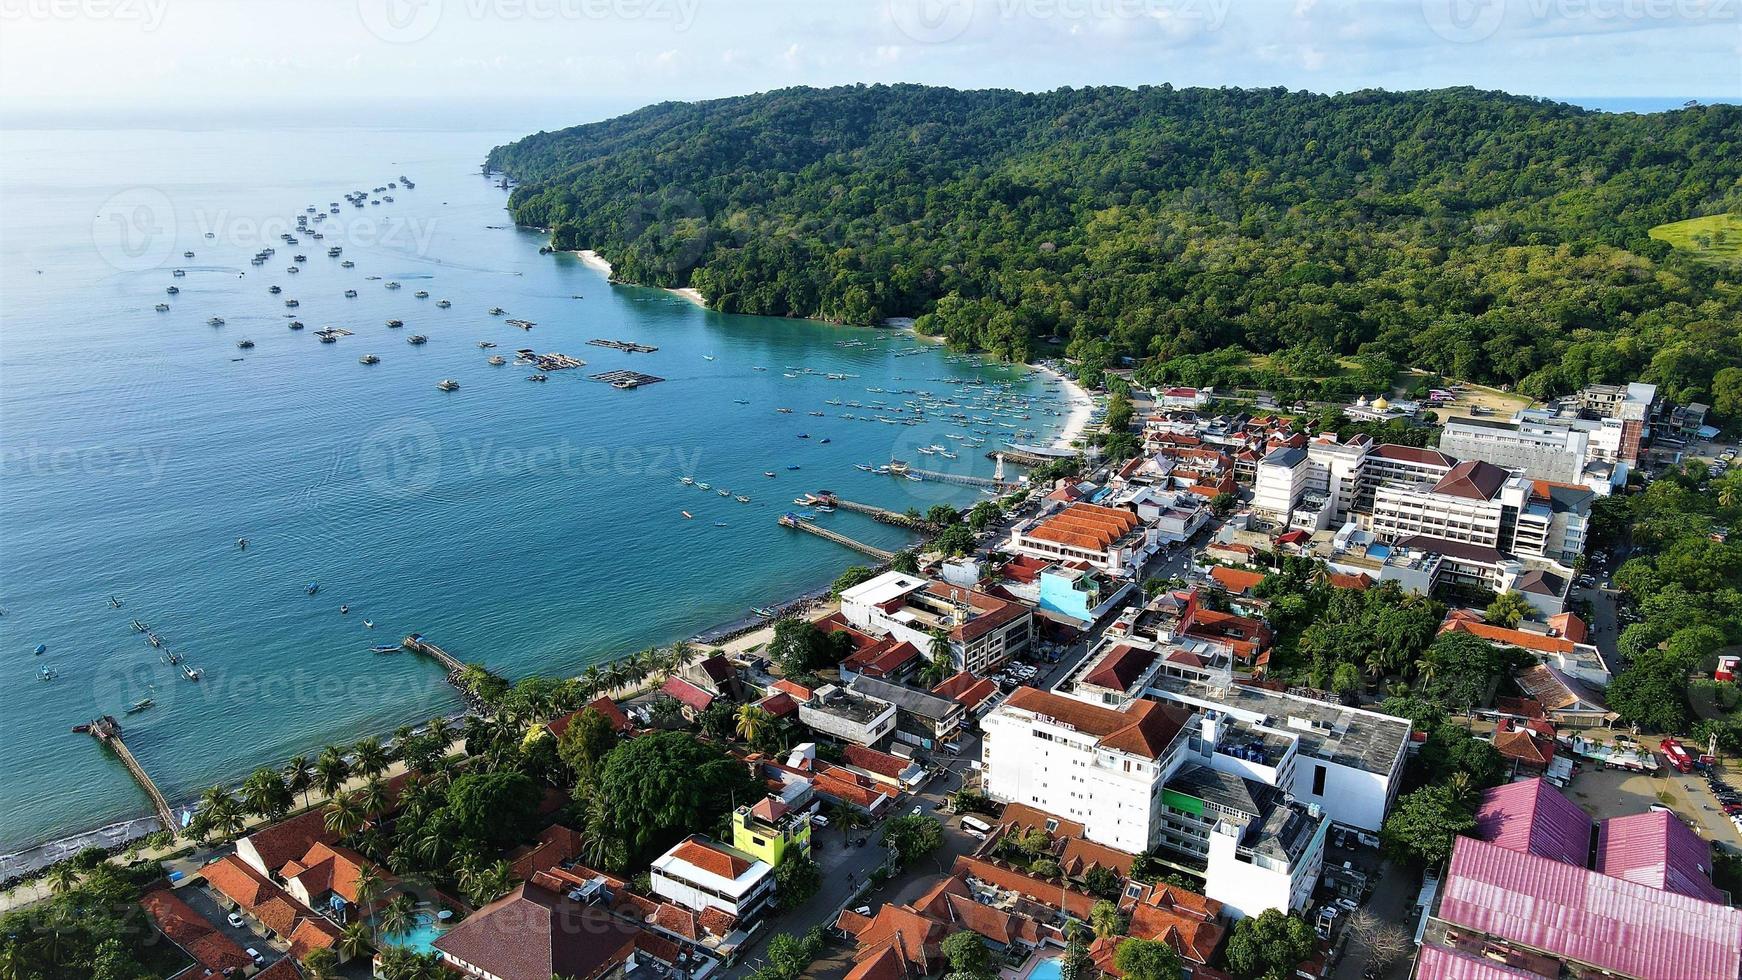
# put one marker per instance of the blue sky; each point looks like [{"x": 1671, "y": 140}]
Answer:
[{"x": 533, "y": 63}]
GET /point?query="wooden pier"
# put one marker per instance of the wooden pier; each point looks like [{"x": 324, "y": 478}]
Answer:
[
  {"x": 792, "y": 521},
  {"x": 1023, "y": 457},
  {"x": 108, "y": 731},
  {"x": 878, "y": 514},
  {"x": 961, "y": 478},
  {"x": 417, "y": 644}
]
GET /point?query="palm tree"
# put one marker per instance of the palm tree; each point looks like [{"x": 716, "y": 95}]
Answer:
[
  {"x": 753, "y": 722},
  {"x": 354, "y": 941},
  {"x": 345, "y": 815},
  {"x": 440, "y": 731},
  {"x": 264, "y": 793},
  {"x": 367, "y": 887},
  {"x": 331, "y": 770},
  {"x": 374, "y": 798},
  {"x": 1462, "y": 785},
  {"x": 402, "y": 737},
  {"x": 371, "y": 757},
  {"x": 62, "y": 878},
  {"x": 492, "y": 883},
  {"x": 592, "y": 681},
  {"x": 396, "y": 916},
  {"x": 299, "y": 776},
  {"x": 430, "y": 847}
]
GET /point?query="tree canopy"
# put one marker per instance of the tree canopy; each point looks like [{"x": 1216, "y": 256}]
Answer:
[{"x": 1481, "y": 235}]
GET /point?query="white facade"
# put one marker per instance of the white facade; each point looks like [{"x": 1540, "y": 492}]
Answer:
[
  {"x": 912, "y": 609},
  {"x": 1539, "y": 450},
  {"x": 847, "y": 715},
  {"x": 1283, "y": 478},
  {"x": 1248, "y": 884},
  {"x": 686, "y": 883}
]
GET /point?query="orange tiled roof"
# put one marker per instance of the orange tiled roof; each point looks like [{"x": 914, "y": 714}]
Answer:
[
  {"x": 1025, "y": 818},
  {"x": 1048, "y": 893},
  {"x": 1236, "y": 580},
  {"x": 1144, "y": 728},
  {"x": 190, "y": 930},
  {"x": 237, "y": 881},
  {"x": 312, "y": 933},
  {"x": 710, "y": 859},
  {"x": 966, "y": 689},
  {"x": 1510, "y": 637}
]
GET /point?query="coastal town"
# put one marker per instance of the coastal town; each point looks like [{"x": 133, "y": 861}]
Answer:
[{"x": 1417, "y": 685}]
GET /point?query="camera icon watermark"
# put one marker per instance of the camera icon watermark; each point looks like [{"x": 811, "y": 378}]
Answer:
[
  {"x": 932, "y": 21},
  {"x": 400, "y": 21},
  {"x": 401, "y": 459},
  {"x": 135, "y": 229},
  {"x": 1464, "y": 21}
]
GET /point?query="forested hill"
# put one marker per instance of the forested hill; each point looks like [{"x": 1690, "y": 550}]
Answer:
[{"x": 1479, "y": 234}]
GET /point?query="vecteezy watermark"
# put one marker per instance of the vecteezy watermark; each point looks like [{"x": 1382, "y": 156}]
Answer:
[
  {"x": 407, "y": 457},
  {"x": 147, "y": 13},
  {"x": 134, "y": 229},
  {"x": 409, "y": 21},
  {"x": 1469, "y": 21},
  {"x": 940, "y": 21},
  {"x": 401, "y": 232},
  {"x": 146, "y": 464}
]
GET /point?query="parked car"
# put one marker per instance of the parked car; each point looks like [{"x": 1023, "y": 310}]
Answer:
[
  {"x": 254, "y": 955},
  {"x": 235, "y": 920}
]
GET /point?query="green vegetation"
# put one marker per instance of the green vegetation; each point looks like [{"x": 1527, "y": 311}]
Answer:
[
  {"x": 91, "y": 929},
  {"x": 968, "y": 956},
  {"x": 789, "y": 955},
  {"x": 1268, "y": 946},
  {"x": 912, "y": 837},
  {"x": 1713, "y": 238},
  {"x": 1324, "y": 631},
  {"x": 1425, "y": 823},
  {"x": 1146, "y": 959},
  {"x": 1485, "y": 236}
]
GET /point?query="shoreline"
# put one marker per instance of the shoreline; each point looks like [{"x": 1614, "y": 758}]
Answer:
[
  {"x": 1082, "y": 408},
  {"x": 594, "y": 260}
]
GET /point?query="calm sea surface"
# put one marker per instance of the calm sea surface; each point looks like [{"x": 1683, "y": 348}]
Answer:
[{"x": 534, "y": 527}]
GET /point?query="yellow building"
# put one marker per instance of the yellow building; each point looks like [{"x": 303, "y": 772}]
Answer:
[{"x": 770, "y": 830}]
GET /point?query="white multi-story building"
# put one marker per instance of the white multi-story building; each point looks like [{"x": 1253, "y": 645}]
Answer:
[
  {"x": 700, "y": 873},
  {"x": 983, "y": 630},
  {"x": 848, "y": 715},
  {"x": 1539, "y": 450},
  {"x": 1148, "y": 755}
]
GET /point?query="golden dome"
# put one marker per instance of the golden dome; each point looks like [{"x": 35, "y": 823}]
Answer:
[{"x": 1381, "y": 404}]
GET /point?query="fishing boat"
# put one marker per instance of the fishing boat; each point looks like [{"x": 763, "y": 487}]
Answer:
[
  {"x": 114, "y": 603},
  {"x": 804, "y": 435},
  {"x": 497, "y": 311},
  {"x": 274, "y": 289},
  {"x": 443, "y": 304},
  {"x": 421, "y": 294},
  {"x": 350, "y": 294},
  {"x": 386, "y": 648},
  {"x": 497, "y": 360},
  {"x": 705, "y": 486},
  {"x": 41, "y": 649},
  {"x": 187, "y": 255},
  {"x": 216, "y": 321},
  {"x": 687, "y": 515},
  {"x": 312, "y": 588},
  {"x": 686, "y": 480},
  {"x": 784, "y": 411},
  {"x": 368, "y": 359},
  {"x": 707, "y": 357},
  {"x": 448, "y": 384},
  {"x": 804, "y": 501},
  {"x": 45, "y": 674},
  {"x": 417, "y": 339},
  {"x": 538, "y": 377},
  {"x": 173, "y": 290},
  {"x": 826, "y": 441},
  {"x": 793, "y": 466},
  {"x": 192, "y": 673},
  {"x": 392, "y": 285},
  {"x": 743, "y": 499},
  {"x": 768, "y": 473},
  {"x": 138, "y": 627},
  {"x": 347, "y": 264},
  {"x": 163, "y": 307},
  {"x": 485, "y": 345},
  {"x": 396, "y": 324},
  {"x": 245, "y": 344},
  {"x": 140, "y": 705},
  {"x": 344, "y": 609},
  {"x": 719, "y": 523}
]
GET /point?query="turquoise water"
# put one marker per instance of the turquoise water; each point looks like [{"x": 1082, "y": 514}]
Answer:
[
  {"x": 533, "y": 527},
  {"x": 1047, "y": 969},
  {"x": 421, "y": 937}
]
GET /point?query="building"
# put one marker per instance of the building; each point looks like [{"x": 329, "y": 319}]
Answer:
[
  {"x": 1563, "y": 646},
  {"x": 921, "y": 717},
  {"x": 847, "y": 715},
  {"x": 535, "y": 933},
  {"x": 1538, "y": 449},
  {"x": 1542, "y": 892},
  {"x": 769, "y": 830},
  {"x": 885, "y": 767},
  {"x": 1107, "y": 538},
  {"x": 699, "y": 873},
  {"x": 983, "y": 630}
]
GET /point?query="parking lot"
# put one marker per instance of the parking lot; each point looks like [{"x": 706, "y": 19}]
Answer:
[
  {"x": 201, "y": 901},
  {"x": 1613, "y": 793}
]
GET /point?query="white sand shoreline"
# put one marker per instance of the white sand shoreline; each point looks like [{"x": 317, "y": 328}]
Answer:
[
  {"x": 1081, "y": 408},
  {"x": 595, "y": 260}
]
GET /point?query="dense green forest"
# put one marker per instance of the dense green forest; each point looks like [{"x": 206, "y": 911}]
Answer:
[{"x": 1475, "y": 234}]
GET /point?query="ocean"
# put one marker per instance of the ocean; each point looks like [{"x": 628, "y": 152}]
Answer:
[{"x": 535, "y": 528}]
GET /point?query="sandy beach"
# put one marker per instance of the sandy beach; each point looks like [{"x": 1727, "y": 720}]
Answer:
[
  {"x": 1081, "y": 408},
  {"x": 595, "y": 260},
  {"x": 692, "y": 294}
]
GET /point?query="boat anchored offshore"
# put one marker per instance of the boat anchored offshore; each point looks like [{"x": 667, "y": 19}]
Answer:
[
  {"x": 140, "y": 705},
  {"x": 448, "y": 384}
]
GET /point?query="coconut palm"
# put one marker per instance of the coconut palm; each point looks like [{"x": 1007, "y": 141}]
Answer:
[
  {"x": 396, "y": 916},
  {"x": 331, "y": 770},
  {"x": 440, "y": 731},
  {"x": 345, "y": 815},
  {"x": 593, "y": 681},
  {"x": 355, "y": 941},
  {"x": 299, "y": 776},
  {"x": 431, "y": 847},
  {"x": 402, "y": 737},
  {"x": 753, "y": 722},
  {"x": 265, "y": 794},
  {"x": 371, "y": 757},
  {"x": 62, "y": 878},
  {"x": 374, "y": 798},
  {"x": 491, "y": 883},
  {"x": 368, "y": 886}
]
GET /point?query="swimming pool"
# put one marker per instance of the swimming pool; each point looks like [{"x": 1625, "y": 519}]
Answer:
[
  {"x": 419, "y": 938},
  {"x": 1047, "y": 969}
]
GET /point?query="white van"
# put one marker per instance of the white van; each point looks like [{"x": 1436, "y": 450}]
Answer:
[{"x": 976, "y": 828}]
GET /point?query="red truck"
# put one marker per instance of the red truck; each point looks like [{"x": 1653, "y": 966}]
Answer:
[{"x": 1677, "y": 756}]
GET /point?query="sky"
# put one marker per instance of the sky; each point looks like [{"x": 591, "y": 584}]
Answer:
[{"x": 527, "y": 64}]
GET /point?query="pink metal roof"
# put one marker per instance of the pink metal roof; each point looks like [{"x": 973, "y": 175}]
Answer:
[
  {"x": 1611, "y": 923},
  {"x": 1439, "y": 963},
  {"x": 1533, "y": 817},
  {"x": 1658, "y": 851}
]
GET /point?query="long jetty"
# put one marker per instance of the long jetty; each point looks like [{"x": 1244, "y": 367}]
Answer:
[
  {"x": 963, "y": 478},
  {"x": 792, "y": 521},
  {"x": 417, "y": 644},
  {"x": 879, "y": 514},
  {"x": 1024, "y": 457},
  {"x": 108, "y": 731}
]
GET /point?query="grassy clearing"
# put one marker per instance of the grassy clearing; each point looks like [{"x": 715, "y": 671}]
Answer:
[{"x": 1714, "y": 238}]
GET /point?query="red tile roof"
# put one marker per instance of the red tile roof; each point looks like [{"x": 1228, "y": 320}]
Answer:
[
  {"x": 312, "y": 933},
  {"x": 1144, "y": 728},
  {"x": 798, "y": 691},
  {"x": 288, "y": 840},
  {"x": 330, "y": 867},
  {"x": 1524, "y": 639},
  {"x": 966, "y": 689},
  {"x": 873, "y": 761},
  {"x": 1025, "y": 818},
  {"x": 1236, "y": 580},
  {"x": 555, "y": 845},
  {"x": 1525, "y": 747},
  {"x": 779, "y": 704},
  {"x": 190, "y": 930},
  {"x": 710, "y": 858},
  {"x": 881, "y": 659},
  {"x": 532, "y": 933},
  {"x": 605, "y": 707},
  {"x": 687, "y": 694},
  {"x": 850, "y": 787},
  {"x": 1473, "y": 479},
  {"x": 1121, "y": 667},
  {"x": 1569, "y": 626},
  {"x": 238, "y": 882}
]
